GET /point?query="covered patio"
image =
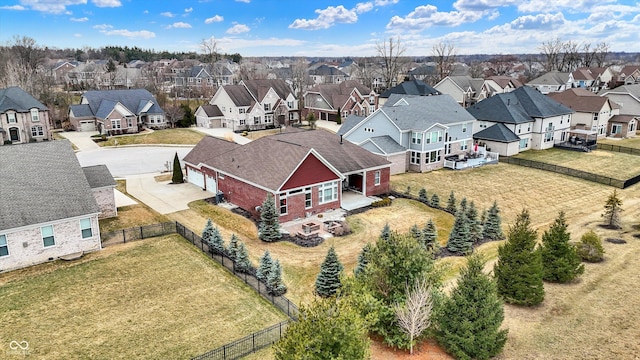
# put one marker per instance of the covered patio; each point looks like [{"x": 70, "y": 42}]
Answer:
[{"x": 579, "y": 140}]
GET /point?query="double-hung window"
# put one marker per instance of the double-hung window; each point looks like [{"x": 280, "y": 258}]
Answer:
[
  {"x": 37, "y": 131},
  {"x": 4, "y": 247},
  {"x": 328, "y": 192},
  {"x": 416, "y": 138},
  {"x": 47, "y": 236},
  {"x": 307, "y": 198},
  {"x": 283, "y": 204},
  {"x": 34, "y": 115},
  {"x": 415, "y": 158},
  {"x": 115, "y": 124},
  {"x": 85, "y": 228},
  {"x": 376, "y": 178},
  {"x": 11, "y": 118}
]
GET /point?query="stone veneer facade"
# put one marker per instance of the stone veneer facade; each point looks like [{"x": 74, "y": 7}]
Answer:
[{"x": 105, "y": 197}]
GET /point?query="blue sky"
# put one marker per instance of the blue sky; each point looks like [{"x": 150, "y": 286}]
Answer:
[{"x": 323, "y": 28}]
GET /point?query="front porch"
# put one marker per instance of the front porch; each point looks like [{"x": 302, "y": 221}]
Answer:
[{"x": 480, "y": 156}]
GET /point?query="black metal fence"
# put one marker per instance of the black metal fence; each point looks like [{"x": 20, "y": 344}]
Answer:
[
  {"x": 137, "y": 233},
  {"x": 247, "y": 345},
  {"x": 617, "y": 148},
  {"x": 571, "y": 172}
]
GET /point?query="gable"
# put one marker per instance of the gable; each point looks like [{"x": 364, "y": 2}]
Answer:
[
  {"x": 376, "y": 124},
  {"x": 311, "y": 171}
]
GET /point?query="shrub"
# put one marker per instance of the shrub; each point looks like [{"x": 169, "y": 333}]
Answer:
[
  {"x": 383, "y": 202},
  {"x": 590, "y": 247},
  {"x": 422, "y": 195}
]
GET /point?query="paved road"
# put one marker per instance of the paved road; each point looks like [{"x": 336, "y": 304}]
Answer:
[{"x": 125, "y": 161}]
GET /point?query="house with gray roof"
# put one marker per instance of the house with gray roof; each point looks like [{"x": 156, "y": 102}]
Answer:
[
  {"x": 209, "y": 116},
  {"x": 463, "y": 88},
  {"x": 116, "y": 112},
  {"x": 415, "y": 133},
  {"x": 103, "y": 187},
  {"x": 325, "y": 74},
  {"x": 22, "y": 117},
  {"x": 537, "y": 120},
  {"x": 349, "y": 97},
  {"x": 409, "y": 87},
  {"x": 48, "y": 210},
  {"x": 553, "y": 81}
]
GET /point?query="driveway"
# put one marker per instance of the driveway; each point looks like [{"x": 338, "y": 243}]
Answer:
[
  {"x": 221, "y": 132},
  {"x": 129, "y": 160},
  {"x": 163, "y": 197},
  {"x": 328, "y": 125},
  {"x": 82, "y": 140}
]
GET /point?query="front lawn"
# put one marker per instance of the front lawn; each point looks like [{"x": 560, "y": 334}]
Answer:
[
  {"x": 159, "y": 298},
  {"x": 157, "y": 137}
]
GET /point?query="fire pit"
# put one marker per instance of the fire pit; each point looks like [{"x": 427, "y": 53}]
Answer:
[{"x": 310, "y": 227}]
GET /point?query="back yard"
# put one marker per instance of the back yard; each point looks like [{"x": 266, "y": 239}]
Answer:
[{"x": 152, "y": 299}]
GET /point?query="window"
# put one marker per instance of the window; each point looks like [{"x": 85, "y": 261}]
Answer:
[
  {"x": 524, "y": 143},
  {"x": 241, "y": 111},
  {"x": 267, "y": 107},
  {"x": 290, "y": 104},
  {"x": 307, "y": 198},
  {"x": 376, "y": 178},
  {"x": 34, "y": 115},
  {"x": 433, "y": 157},
  {"x": 37, "y": 131},
  {"x": 224, "y": 108},
  {"x": 11, "y": 118},
  {"x": 434, "y": 137},
  {"x": 85, "y": 228},
  {"x": 548, "y": 135},
  {"x": 595, "y": 116},
  {"x": 268, "y": 119},
  {"x": 242, "y": 122},
  {"x": 464, "y": 145},
  {"x": 283, "y": 204},
  {"x": 328, "y": 192},
  {"x": 47, "y": 236},
  {"x": 416, "y": 138},
  {"x": 256, "y": 120},
  {"x": 616, "y": 129},
  {"x": 130, "y": 122},
  {"x": 115, "y": 124},
  {"x": 519, "y": 128},
  {"x": 4, "y": 247},
  {"x": 415, "y": 157},
  {"x": 464, "y": 127}
]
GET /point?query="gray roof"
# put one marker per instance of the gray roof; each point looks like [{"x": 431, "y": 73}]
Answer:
[
  {"x": 551, "y": 78},
  {"x": 81, "y": 110},
  {"x": 424, "y": 111},
  {"x": 101, "y": 102},
  {"x": 519, "y": 106},
  {"x": 98, "y": 176},
  {"x": 211, "y": 110},
  {"x": 324, "y": 70},
  {"x": 387, "y": 144},
  {"x": 467, "y": 82},
  {"x": 412, "y": 87},
  {"x": 497, "y": 132},
  {"x": 260, "y": 87},
  {"x": 349, "y": 123},
  {"x": 239, "y": 94},
  {"x": 50, "y": 184},
  {"x": 624, "y": 89},
  {"x": 14, "y": 98}
]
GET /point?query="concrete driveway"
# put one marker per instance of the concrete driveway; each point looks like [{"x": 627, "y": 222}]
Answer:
[
  {"x": 163, "y": 197},
  {"x": 130, "y": 160},
  {"x": 82, "y": 140}
]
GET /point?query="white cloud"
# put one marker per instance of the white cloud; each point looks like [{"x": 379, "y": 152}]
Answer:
[
  {"x": 538, "y": 22},
  {"x": 54, "y": 7},
  {"x": 482, "y": 5},
  {"x": 141, "y": 34},
  {"x": 214, "y": 19},
  {"x": 386, "y": 2},
  {"x": 232, "y": 44},
  {"x": 188, "y": 10},
  {"x": 238, "y": 29},
  {"x": 82, "y": 19},
  {"x": 326, "y": 18},
  {"x": 167, "y": 14},
  {"x": 78, "y": 35},
  {"x": 13, "y": 7},
  {"x": 428, "y": 15},
  {"x": 179, "y": 25},
  {"x": 103, "y": 26},
  {"x": 145, "y": 12},
  {"x": 538, "y": 6},
  {"x": 107, "y": 3},
  {"x": 363, "y": 7}
]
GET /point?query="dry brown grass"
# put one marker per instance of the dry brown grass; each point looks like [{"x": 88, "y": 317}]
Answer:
[
  {"x": 254, "y": 135},
  {"x": 163, "y": 177},
  {"x": 152, "y": 299},
  {"x": 633, "y": 142}
]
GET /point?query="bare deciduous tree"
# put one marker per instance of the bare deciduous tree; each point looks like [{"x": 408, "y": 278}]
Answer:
[
  {"x": 414, "y": 316},
  {"x": 390, "y": 51},
  {"x": 301, "y": 82},
  {"x": 551, "y": 50},
  {"x": 444, "y": 55},
  {"x": 602, "y": 50}
]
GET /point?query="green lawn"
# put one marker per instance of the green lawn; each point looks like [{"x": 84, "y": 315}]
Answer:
[
  {"x": 158, "y": 298},
  {"x": 606, "y": 163},
  {"x": 166, "y": 136}
]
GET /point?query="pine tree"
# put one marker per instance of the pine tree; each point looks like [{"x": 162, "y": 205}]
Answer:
[
  {"x": 560, "y": 260},
  {"x": 475, "y": 227},
  {"x": 460, "y": 237},
  {"x": 415, "y": 233},
  {"x": 275, "y": 285},
  {"x": 430, "y": 237},
  {"x": 451, "y": 203},
  {"x": 469, "y": 321},
  {"x": 386, "y": 232},
  {"x": 232, "y": 248},
  {"x": 269, "y": 225},
  {"x": 363, "y": 260},
  {"x": 242, "y": 262},
  {"x": 519, "y": 268},
  {"x": 178, "y": 176},
  {"x": 493, "y": 224},
  {"x": 328, "y": 280},
  {"x": 483, "y": 219},
  {"x": 435, "y": 201},
  {"x": 612, "y": 210},
  {"x": 422, "y": 195},
  {"x": 463, "y": 204},
  {"x": 207, "y": 232},
  {"x": 216, "y": 243},
  {"x": 264, "y": 267}
]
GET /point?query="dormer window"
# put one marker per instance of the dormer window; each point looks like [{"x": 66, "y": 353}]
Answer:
[{"x": 34, "y": 115}]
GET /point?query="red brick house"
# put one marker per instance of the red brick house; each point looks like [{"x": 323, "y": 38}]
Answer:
[{"x": 305, "y": 171}]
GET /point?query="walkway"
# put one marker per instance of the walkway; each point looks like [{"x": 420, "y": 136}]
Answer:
[
  {"x": 163, "y": 197},
  {"x": 222, "y": 133}
]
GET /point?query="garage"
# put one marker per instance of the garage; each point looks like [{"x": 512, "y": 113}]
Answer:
[
  {"x": 195, "y": 177},
  {"x": 211, "y": 184},
  {"x": 87, "y": 125}
]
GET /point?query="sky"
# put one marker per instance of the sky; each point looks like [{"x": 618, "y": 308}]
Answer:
[{"x": 323, "y": 28}]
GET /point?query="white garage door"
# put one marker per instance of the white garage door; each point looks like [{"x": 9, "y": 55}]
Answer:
[
  {"x": 195, "y": 177},
  {"x": 87, "y": 126},
  {"x": 211, "y": 184}
]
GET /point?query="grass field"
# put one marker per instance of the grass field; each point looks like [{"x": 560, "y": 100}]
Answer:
[
  {"x": 152, "y": 299},
  {"x": 166, "y": 136},
  {"x": 633, "y": 142},
  {"x": 607, "y": 163}
]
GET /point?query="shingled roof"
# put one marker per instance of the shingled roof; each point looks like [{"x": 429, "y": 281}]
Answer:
[
  {"x": 239, "y": 95},
  {"x": 211, "y": 110},
  {"x": 338, "y": 94},
  {"x": 497, "y": 132},
  {"x": 410, "y": 112},
  {"x": 411, "y": 87},
  {"x": 102, "y": 102},
  {"x": 260, "y": 87},
  {"x": 14, "y": 98},
  {"x": 98, "y": 176},
  {"x": 208, "y": 148},
  {"x": 580, "y": 99},
  {"x": 49, "y": 186}
]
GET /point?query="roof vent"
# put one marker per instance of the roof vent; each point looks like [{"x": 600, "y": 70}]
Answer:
[{"x": 508, "y": 101}]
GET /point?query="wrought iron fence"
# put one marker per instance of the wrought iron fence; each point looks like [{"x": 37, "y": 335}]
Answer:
[
  {"x": 618, "y": 148},
  {"x": 137, "y": 233}
]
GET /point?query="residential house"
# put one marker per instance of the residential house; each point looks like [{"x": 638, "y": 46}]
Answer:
[
  {"x": 497, "y": 84},
  {"x": 116, "y": 112},
  {"x": 463, "y": 88},
  {"x": 22, "y": 117},
  {"x": 628, "y": 98},
  {"x": 60, "y": 70},
  {"x": 629, "y": 75},
  {"x": 256, "y": 104},
  {"x": 325, "y": 74},
  {"x": 103, "y": 187},
  {"x": 593, "y": 79},
  {"x": 423, "y": 72},
  {"x": 306, "y": 171},
  {"x": 536, "y": 120},
  {"x": 553, "y": 81},
  {"x": 592, "y": 112},
  {"x": 209, "y": 116},
  {"x": 48, "y": 210},
  {"x": 415, "y": 133},
  {"x": 409, "y": 87},
  {"x": 349, "y": 97}
]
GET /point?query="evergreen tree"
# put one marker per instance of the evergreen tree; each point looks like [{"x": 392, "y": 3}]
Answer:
[
  {"x": 328, "y": 280},
  {"x": 188, "y": 118},
  {"x": 269, "y": 229},
  {"x": 430, "y": 237},
  {"x": 415, "y": 233},
  {"x": 363, "y": 260},
  {"x": 232, "y": 248},
  {"x": 435, "y": 201},
  {"x": 178, "y": 176},
  {"x": 483, "y": 219},
  {"x": 451, "y": 203},
  {"x": 475, "y": 227},
  {"x": 469, "y": 321},
  {"x": 275, "y": 285},
  {"x": 386, "y": 232},
  {"x": 264, "y": 267},
  {"x": 463, "y": 204},
  {"x": 612, "y": 210},
  {"x": 207, "y": 232},
  {"x": 216, "y": 243},
  {"x": 242, "y": 262},
  {"x": 560, "y": 260},
  {"x": 492, "y": 229},
  {"x": 422, "y": 195},
  {"x": 339, "y": 117},
  {"x": 519, "y": 268},
  {"x": 590, "y": 247},
  {"x": 460, "y": 237}
]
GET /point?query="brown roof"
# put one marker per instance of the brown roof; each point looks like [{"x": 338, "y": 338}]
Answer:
[
  {"x": 583, "y": 74},
  {"x": 503, "y": 81},
  {"x": 260, "y": 87},
  {"x": 622, "y": 118},
  {"x": 239, "y": 95},
  {"x": 338, "y": 94},
  {"x": 211, "y": 110},
  {"x": 580, "y": 99},
  {"x": 208, "y": 148},
  {"x": 629, "y": 69}
]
